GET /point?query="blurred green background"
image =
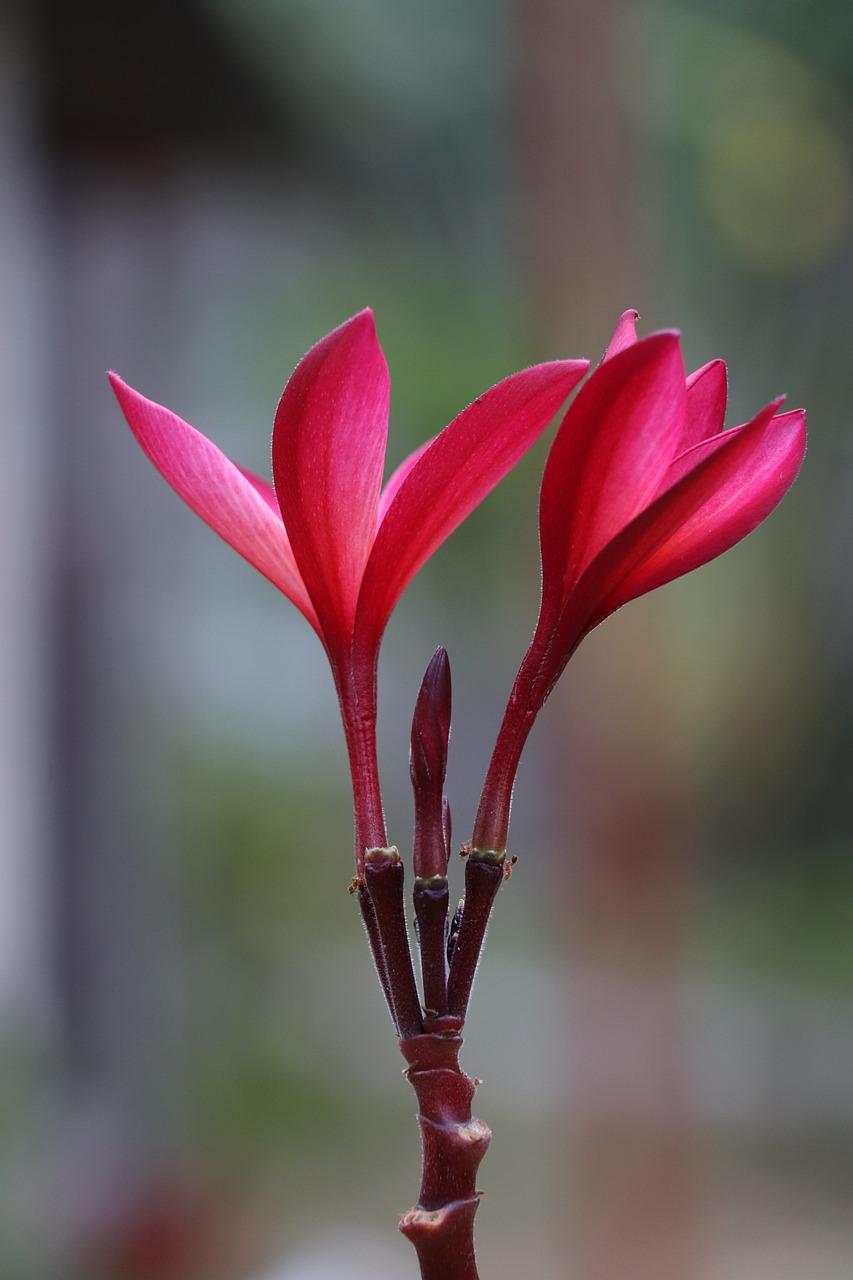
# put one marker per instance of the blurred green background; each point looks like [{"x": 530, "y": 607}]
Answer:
[{"x": 197, "y": 1076}]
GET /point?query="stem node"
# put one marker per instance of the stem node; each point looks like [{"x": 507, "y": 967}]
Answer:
[{"x": 441, "y": 1225}]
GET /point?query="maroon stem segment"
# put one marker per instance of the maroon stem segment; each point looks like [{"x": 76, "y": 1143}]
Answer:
[
  {"x": 388, "y": 935},
  {"x": 441, "y": 1225},
  {"x": 484, "y": 874},
  {"x": 431, "y": 899},
  {"x": 371, "y": 928}
]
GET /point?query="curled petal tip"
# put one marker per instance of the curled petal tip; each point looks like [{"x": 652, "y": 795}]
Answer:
[
  {"x": 234, "y": 505},
  {"x": 365, "y": 317},
  {"x": 363, "y": 321},
  {"x": 625, "y": 334}
]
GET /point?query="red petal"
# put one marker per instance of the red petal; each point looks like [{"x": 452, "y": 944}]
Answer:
[
  {"x": 263, "y": 487},
  {"x": 452, "y": 476},
  {"x": 706, "y": 404},
  {"x": 394, "y": 481},
  {"x": 216, "y": 490},
  {"x": 328, "y": 456},
  {"x": 763, "y": 465},
  {"x": 624, "y": 336},
  {"x": 608, "y": 459},
  {"x": 736, "y": 480}
]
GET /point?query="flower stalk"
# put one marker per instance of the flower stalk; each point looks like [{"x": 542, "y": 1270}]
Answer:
[
  {"x": 641, "y": 485},
  {"x": 383, "y": 884},
  {"x": 485, "y": 871}
]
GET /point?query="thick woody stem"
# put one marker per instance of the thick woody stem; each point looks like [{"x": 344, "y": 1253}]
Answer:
[{"x": 441, "y": 1225}]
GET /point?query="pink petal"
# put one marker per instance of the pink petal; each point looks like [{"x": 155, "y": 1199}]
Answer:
[
  {"x": 736, "y": 480},
  {"x": 706, "y": 404},
  {"x": 328, "y": 456},
  {"x": 216, "y": 490},
  {"x": 452, "y": 476},
  {"x": 396, "y": 478},
  {"x": 624, "y": 336},
  {"x": 763, "y": 465},
  {"x": 608, "y": 459},
  {"x": 263, "y": 487}
]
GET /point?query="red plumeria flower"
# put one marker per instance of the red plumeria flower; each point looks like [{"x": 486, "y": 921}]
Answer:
[
  {"x": 326, "y": 534},
  {"x": 642, "y": 485}
]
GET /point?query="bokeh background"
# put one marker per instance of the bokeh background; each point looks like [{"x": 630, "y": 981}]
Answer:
[{"x": 197, "y": 1075}]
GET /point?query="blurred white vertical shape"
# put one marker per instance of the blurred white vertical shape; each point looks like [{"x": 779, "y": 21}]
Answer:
[
  {"x": 25, "y": 520},
  {"x": 357, "y": 1254},
  {"x": 121, "y": 964}
]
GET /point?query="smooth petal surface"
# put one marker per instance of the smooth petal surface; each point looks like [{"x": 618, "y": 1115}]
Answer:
[
  {"x": 216, "y": 490},
  {"x": 452, "y": 476},
  {"x": 734, "y": 482},
  {"x": 738, "y": 483},
  {"x": 706, "y": 404},
  {"x": 608, "y": 459},
  {"x": 620, "y": 516},
  {"x": 263, "y": 487},
  {"x": 727, "y": 486},
  {"x": 328, "y": 457},
  {"x": 396, "y": 478},
  {"x": 625, "y": 334}
]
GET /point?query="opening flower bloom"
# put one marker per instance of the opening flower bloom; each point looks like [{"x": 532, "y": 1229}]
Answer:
[
  {"x": 325, "y": 533},
  {"x": 642, "y": 485}
]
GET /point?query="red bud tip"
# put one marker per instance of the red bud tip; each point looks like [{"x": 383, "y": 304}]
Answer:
[{"x": 431, "y": 725}]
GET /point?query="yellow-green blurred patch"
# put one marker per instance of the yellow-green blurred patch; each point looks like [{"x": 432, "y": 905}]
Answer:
[{"x": 778, "y": 186}]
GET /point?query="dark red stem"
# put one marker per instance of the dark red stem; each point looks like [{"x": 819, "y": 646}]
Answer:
[
  {"x": 358, "y": 712},
  {"x": 441, "y": 1225},
  {"x": 383, "y": 882},
  {"x": 484, "y": 873},
  {"x": 431, "y": 899},
  {"x": 492, "y": 822},
  {"x": 377, "y": 950}
]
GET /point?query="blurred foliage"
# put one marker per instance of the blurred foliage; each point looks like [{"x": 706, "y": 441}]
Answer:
[
  {"x": 823, "y": 32},
  {"x": 785, "y": 922}
]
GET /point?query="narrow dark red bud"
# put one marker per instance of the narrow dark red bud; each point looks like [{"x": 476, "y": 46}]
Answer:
[
  {"x": 431, "y": 725},
  {"x": 428, "y": 766}
]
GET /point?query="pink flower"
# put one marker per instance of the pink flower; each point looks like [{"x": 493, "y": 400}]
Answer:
[
  {"x": 327, "y": 535},
  {"x": 642, "y": 485}
]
